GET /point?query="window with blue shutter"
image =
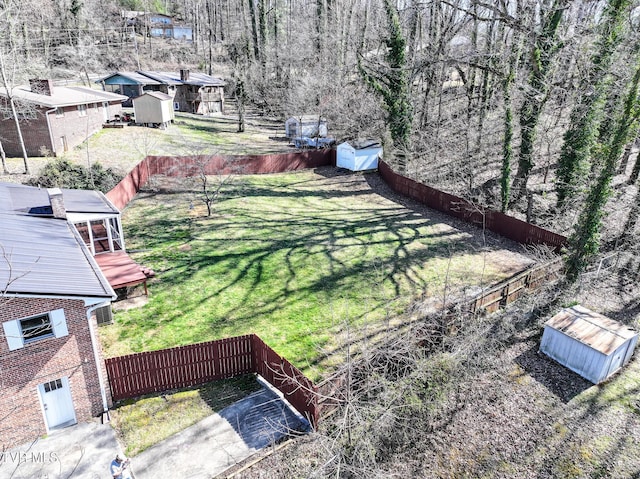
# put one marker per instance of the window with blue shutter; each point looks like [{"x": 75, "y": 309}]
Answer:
[{"x": 20, "y": 332}]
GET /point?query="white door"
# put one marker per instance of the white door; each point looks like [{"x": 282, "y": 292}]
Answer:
[
  {"x": 105, "y": 111},
  {"x": 57, "y": 403}
]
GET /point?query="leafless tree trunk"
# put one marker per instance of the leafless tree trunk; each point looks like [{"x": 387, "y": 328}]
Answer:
[
  {"x": 8, "y": 85},
  {"x": 3, "y": 156}
]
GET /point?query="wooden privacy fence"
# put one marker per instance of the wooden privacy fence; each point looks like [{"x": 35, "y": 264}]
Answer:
[
  {"x": 137, "y": 374},
  {"x": 505, "y": 225},
  {"x": 187, "y": 166},
  {"x": 510, "y": 290}
]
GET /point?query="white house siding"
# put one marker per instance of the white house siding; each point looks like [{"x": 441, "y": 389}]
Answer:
[{"x": 151, "y": 109}]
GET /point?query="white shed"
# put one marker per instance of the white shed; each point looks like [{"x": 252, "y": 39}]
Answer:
[
  {"x": 588, "y": 343},
  {"x": 153, "y": 108},
  {"x": 358, "y": 155},
  {"x": 310, "y": 126}
]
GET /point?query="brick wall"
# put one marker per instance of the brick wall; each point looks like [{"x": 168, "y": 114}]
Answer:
[
  {"x": 35, "y": 134},
  {"x": 73, "y": 126},
  {"x": 22, "y": 370}
]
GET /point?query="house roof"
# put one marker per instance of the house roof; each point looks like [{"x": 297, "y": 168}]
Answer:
[
  {"x": 593, "y": 329},
  {"x": 46, "y": 256},
  {"x": 22, "y": 199},
  {"x": 195, "y": 78},
  {"x": 42, "y": 255},
  {"x": 63, "y": 96},
  {"x": 136, "y": 78},
  {"x": 145, "y": 77}
]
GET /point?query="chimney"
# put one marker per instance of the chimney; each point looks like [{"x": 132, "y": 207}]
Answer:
[
  {"x": 42, "y": 87},
  {"x": 184, "y": 75},
  {"x": 57, "y": 203}
]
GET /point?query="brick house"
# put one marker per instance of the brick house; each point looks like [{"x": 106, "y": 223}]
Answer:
[
  {"x": 51, "y": 286},
  {"x": 54, "y": 119},
  {"x": 191, "y": 92}
]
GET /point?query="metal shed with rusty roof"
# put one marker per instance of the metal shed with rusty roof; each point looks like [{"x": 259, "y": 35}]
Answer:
[{"x": 588, "y": 343}]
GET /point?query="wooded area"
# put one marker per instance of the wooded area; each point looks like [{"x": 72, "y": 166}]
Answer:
[{"x": 530, "y": 107}]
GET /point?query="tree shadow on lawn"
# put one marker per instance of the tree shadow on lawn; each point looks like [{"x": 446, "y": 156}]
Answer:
[
  {"x": 479, "y": 236},
  {"x": 365, "y": 248}
]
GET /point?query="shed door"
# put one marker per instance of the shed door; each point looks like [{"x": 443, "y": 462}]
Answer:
[{"x": 57, "y": 403}]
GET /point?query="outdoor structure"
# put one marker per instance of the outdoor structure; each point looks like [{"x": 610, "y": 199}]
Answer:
[
  {"x": 54, "y": 119},
  {"x": 62, "y": 255},
  {"x": 191, "y": 92},
  {"x": 588, "y": 343},
  {"x": 305, "y": 125},
  {"x": 358, "y": 155},
  {"x": 52, "y": 373},
  {"x": 153, "y": 108},
  {"x": 157, "y": 25}
]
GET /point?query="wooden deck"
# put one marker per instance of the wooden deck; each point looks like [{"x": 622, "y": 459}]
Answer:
[{"x": 122, "y": 271}]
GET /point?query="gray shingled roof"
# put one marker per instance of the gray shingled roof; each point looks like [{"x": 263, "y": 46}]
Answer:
[
  {"x": 43, "y": 255},
  {"x": 136, "y": 77},
  {"x": 63, "y": 96},
  {"x": 195, "y": 78},
  {"x": 47, "y": 256},
  {"x": 18, "y": 198}
]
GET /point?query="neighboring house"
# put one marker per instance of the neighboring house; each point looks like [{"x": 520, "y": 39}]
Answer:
[
  {"x": 132, "y": 85},
  {"x": 157, "y": 25},
  {"x": 194, "y": 92},
  {"x": 54, "y": 119},
  {"x": 51, "y": 289},
  {"x": 153, "y": 108},
  {"x": 190, "y": 92}
]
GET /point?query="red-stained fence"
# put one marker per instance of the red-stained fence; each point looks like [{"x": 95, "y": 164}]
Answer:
[
  {"x": 297, "y": 389},
  {"x": 505, "y": 225},
  {"x": 137, "y": 374},
  {"x": 186, "y": 166}
]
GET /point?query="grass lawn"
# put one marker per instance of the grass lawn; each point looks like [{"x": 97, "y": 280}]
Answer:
[
  {"x": 307, "y": 260},
  {"x": 190, "y": 134},
  {"x": 145, "y": 421}
]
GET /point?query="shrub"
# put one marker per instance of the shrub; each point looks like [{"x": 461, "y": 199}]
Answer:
[{"x": 61, "y": 173}]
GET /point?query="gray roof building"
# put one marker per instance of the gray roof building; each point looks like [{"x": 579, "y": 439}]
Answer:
[
  {"x": 62, "y": 96},
  {"x": 191, "y": 92},
  {"x": 53, "y": 119},
  {"x": 46, "y": 256},
  {"x": 41, "y": 254}
]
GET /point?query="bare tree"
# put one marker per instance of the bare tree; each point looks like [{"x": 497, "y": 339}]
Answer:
[
  {"x": 213, "y": 181},
  {"x": 8, "y": 65}
]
